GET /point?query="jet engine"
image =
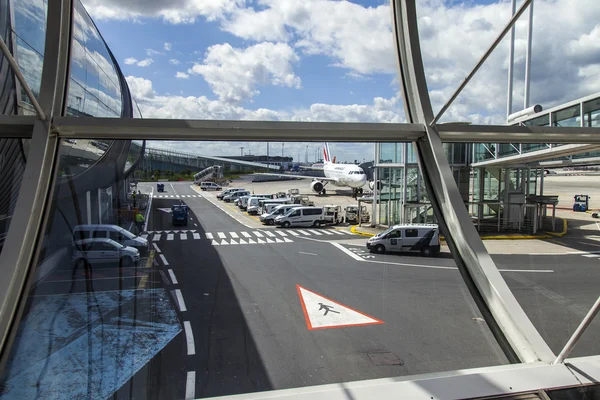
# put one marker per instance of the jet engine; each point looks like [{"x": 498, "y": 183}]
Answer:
[{"x": 317, "y": 186}]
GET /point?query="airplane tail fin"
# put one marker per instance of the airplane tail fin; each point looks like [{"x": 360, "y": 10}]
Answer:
[{"x": 326, "y": 154}]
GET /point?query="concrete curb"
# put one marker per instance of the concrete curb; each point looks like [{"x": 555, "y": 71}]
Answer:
[
  {"x": 354, "y": 230},
  {"x": 560, "y": 234}
]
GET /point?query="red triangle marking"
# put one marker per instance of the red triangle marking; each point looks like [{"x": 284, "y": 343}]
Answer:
[{"x": 357, "y": 314}]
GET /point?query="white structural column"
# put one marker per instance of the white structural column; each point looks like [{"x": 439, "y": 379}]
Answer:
[
  {"x": 515, "y": 333},
  {"x": 511, "y": 62},
  {"x": 528, "y": 58},
  {"x": 29, "y": 219}
]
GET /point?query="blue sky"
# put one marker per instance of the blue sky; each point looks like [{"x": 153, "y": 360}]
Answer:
[{"x": 330, "y": 60}]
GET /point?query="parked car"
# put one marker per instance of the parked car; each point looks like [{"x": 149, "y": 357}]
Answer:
[
  {"x": 210, "y": 186},
  {"x": 227, "y": 192},
  {"x": 301, "y": 216},
  {"x": 102, "y": 250},
  {"x": 105, "y": 231},
  {"x": 235, "y": 195}
]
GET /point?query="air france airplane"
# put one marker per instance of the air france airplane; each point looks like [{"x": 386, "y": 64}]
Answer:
[{"x": 341, "y": 175}]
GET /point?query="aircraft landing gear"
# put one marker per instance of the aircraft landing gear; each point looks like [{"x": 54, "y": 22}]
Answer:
[{"x": 323, "y": 192}]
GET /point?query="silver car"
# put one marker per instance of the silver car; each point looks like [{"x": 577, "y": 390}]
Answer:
[{"x": 103, "y": 250}]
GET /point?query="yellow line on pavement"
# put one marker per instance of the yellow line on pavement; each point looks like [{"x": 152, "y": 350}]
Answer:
[
  {"x": 144, "y": 280},
  {"x": 560, "y": 234},
  {"x": 354, "y": 230}
]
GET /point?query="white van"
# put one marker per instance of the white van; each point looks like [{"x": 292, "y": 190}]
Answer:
[
  {"x": 235, "y": 195},
  {"x": 114, "y": 232},
  {"x": 244, "y": 200},
  {"x": 301, "y": 216},
  {"x": 227, "y": 192},
  {"x": 263, "y": 203},
  {"x": 423, "y": 238},
  {"x": 209, "y": 186},
  {"x": 102, "y": 250},
  {"x": 275, "y": 210}
]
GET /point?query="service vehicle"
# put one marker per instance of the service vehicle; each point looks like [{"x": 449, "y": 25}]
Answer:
[
  {"x": 235, "y": 195},
  {"x": 227, "y": 192},
  {"x": 275, "y": 210},
  {"x": 302, "y": 199},
  {"x": 160, "y": 187},
  {"x": 179, "y": 214},
  {"x": 263, "y": 203},
  {"x": 301, "y": 216},
  {"x": 106, "y": 231},
  {"x": 293, "y": 192},
  {"x": 422, "y": 238},
  {"x": 333, "y": 214},
  {"x": 102, "y": 251},
  {"x": 210, "y": 186},
  {"x": 581, "y": 203},
  {"x": 244, "y": 200},
  {"x": 352, "y": 214}
]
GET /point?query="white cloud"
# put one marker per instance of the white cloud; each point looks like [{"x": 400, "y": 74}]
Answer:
[
  {"x": 171, "y": 11},
  {"x": 130, "y": 60},
  {"x": 152, "y": 52},
  {"x": 167, "y": 46},
  {"x": 174, "y": 61},
  {"x": 145, "y": 62},
  {"x": 181, "y": 75},
  {"x": 234, "y": 74}
]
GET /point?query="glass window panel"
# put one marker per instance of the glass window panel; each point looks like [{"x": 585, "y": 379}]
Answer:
[
  {"x": 108, "y": 301},
  {"x": 12, "y": 166},
  {"x": 567, "y": 117},
  {"x": 30, "y": 23},
  {"x": 30, "y": 63}
]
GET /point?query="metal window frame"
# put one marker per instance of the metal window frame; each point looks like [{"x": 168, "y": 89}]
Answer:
[{"x": 514, "y": 331}]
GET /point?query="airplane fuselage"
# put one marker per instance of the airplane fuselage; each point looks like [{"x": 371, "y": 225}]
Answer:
[{"x": 345, "y": 175}]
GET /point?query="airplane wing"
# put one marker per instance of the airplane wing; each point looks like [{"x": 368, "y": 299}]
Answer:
[
  {"x": 312, "y": 168},
  {"x": 318, "y": 178}
]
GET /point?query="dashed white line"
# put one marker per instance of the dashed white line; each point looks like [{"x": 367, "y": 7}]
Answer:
[
  {"x": 195, "y": 224},
  {"x": 189, "y": 338},
  {"x": 156, "y": 248},
  {"x": 180, "y": 301},
  {"x": 164, "y": 260},
  {"x": 173, "y": 278},
  {"x": 190, "y": 385},
  {"x": 310, "y": 254},
  {"x": 170, "y": 236}
]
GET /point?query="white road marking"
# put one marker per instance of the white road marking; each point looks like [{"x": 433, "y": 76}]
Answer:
[
  {"x": 214, "y": 243},
  {"x": 260, "y": 241},
  {"x": 180, "y": 301},
  {"x": 164, "y": 260},
  {"x": 221, "y": 235},
  {"x": 310, "y": 254},
  {"x": 281, "y": 233},
  {"x": 234, "y": 235},
  {"x": 277, "y": 240},
  {"x": 246, "y": 234},
  {"x": 293, "y": 233},
  {"x": 233, "y": 242},
  {"x": 209, "y": 235},
  {"x": 189, "y": 338},
  {"x": 303, "y": 232},
  {"x": 156, "y": 237},
  {"x": 224, "y": 242},
  {"x": 144, "y": 236},
  {"x": 327, "y": 232},
  {"x": 172, "y": 188},
  {"x": 269, "y": 241},
  {"x": 173, "y": 278},
  {"x": 170, "y": 236},
  {"x": 258, "y": 234},
  {"x": 156, "y": 248},
  {"x": 183, "y": 236},
  {"x": 359, "y": 258},
  {"x": 288, "y": 240},
  {"x": 190, "y": 385},
  {"x": 269, "y": 234},
  {"x": 250, "y": 241},
  {"x": 314, "y": 232},
  {"x": 338, "y": 232},
  {"x": 196, "y": 236},
  {"x": 591, "y": 255},
  {"x": 195, "y": 224}
]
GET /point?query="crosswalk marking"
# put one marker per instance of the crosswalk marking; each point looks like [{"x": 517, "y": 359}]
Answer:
[
  {"x": 242, "y": 241},
  {"x": 233, "y": 241},
  {"x": 260, "y": 241},
  {"x": 269, "y": 234},
  {"x": 170, "y": 236},
  {"x": 183, "y": 236},
  {"x": 258, "y": 234},
  {"x": 303, "y": 232},
  {"x": 327, "y": 232},
  {"x": 209, "y": 235},
  {"x": 196, "y": 236},
  {"x": 224, "y": 242},
  {"x": 314, "y": 232},
  {"x": 591, "y": 255},
  {"x": 338, "y": 232},
  {"x": 246, "y": 234},
  {"x": 269, "y": 241},
  {"x": 234, "y": 235},
  {"x": 286, "y": 240},
  {"x": 251, "y": 241},
  {"x": 214, "y": 243},
  {"x": 221, "y": 235},
  {"x": 294, "y": 233},
  {"x": 277, "y": 240},
  {"x": 280, "y": 233},
  {"x": 177, "y": 195}
]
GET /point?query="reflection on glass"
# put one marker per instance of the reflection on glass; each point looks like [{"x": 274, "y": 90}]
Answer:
[
  {"x": 12, "y": 166},
  {"x": 121, "y": 294}
]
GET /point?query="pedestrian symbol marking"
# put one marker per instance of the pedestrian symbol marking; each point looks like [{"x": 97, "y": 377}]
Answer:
[{"x": 321, "y": 312}]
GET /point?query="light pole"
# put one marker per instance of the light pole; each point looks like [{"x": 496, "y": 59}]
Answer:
[{"x": 242, "y": 151}]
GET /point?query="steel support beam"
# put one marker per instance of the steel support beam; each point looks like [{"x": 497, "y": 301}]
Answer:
[
  {"x": 515, "y": 333},
  {"x": 17, "y": 126},
  {"x": 27, "y": 228}
]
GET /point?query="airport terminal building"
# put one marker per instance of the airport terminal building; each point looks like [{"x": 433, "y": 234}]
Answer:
[{"x": 500, "y": 182}]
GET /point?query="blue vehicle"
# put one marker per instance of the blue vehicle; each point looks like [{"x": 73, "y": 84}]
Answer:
[
  {"x": 179, "y": 214},
  {"x": 160, "y": 187},
  {"x": 581, "y": 202}
]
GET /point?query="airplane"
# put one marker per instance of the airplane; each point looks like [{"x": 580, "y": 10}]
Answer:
[{"x": 341, "y": 175}]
